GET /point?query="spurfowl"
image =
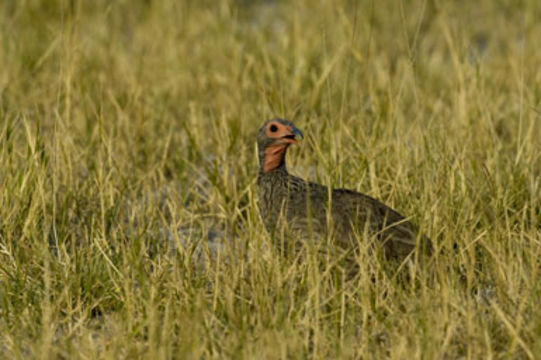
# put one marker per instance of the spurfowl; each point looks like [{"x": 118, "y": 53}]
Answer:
[{"x": 308, "y": 210}]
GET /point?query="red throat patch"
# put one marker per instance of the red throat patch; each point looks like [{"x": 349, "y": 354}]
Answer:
[{"x": 274, "y": 155}]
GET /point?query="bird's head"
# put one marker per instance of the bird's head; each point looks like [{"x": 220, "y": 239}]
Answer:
[{"x": 273, "y": 139}]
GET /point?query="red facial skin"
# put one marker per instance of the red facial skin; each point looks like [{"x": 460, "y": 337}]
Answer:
[{"x": 274, "y": 154}]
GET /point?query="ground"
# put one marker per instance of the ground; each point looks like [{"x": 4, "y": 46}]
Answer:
[{"x": 128, "y": 218}]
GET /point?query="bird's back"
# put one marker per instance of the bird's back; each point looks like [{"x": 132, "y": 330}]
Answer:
[
  {"x": 309, "y": 211},
  {"x": 357, "y": 213}
]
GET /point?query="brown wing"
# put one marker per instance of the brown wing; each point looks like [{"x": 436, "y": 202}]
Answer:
[{"x": 354, "y": 211}]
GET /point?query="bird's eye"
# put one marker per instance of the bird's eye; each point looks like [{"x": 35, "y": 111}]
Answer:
[{"x": 273, "y": 128}]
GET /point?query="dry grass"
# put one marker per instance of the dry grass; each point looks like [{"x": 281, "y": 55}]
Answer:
[{"x": 127, "y": 143}]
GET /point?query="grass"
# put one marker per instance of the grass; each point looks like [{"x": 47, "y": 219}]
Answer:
[{"x": 127, "y": 143}]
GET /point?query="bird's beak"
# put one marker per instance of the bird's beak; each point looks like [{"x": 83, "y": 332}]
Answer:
[{"x": 293, "y": 136}]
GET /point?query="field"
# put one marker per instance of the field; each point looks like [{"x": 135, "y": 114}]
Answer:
[{"x": 128, "y": 206}]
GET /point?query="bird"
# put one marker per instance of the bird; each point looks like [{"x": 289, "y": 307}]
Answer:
[{"x": 297, "y": 211}]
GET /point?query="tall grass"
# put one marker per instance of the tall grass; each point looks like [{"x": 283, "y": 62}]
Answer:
[{"x": 128, "y": 218}]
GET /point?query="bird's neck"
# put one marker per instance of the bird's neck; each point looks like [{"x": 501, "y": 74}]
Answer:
[{"x": 273, "y": 159}]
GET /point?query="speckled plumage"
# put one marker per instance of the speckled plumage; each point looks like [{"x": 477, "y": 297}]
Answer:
[{"x": 300, "y": 208}]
